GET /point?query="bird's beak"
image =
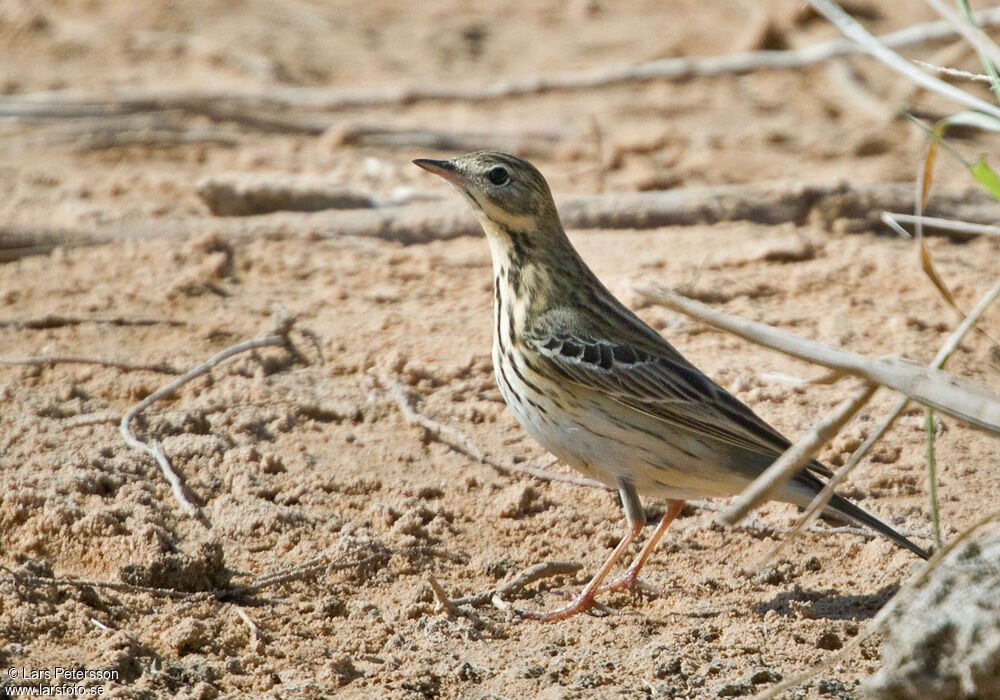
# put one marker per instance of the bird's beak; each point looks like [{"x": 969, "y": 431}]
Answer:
[{"x": 444, "y": 168}]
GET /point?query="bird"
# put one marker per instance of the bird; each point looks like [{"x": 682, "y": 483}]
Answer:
[{"x": 602, "y": 390}]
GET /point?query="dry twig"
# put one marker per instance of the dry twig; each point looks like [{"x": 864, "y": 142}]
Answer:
[
  {"x": 795, "y": 457},
  {"x": 256, "y": 640},
  {"x": 953, "y": 72},
  {"x": 123, "y": 365},
  {"x": 943, "y": 224},
  {"x": 527, "y": 142},
  {"x": 882, "y": 51},
  {"x": 512, "y": 587},
  {"x": 75, "y": 103},
  {"x": 320, "y": 564},
  {"x": 444, "y": 602},
  {"x": 810, "y": 514},
  {"x": 57, "y": 321},
  {"x": 969, "y": 31},
  {"x": 154, "y": 448},
  {"x": 954, "y": 396}
]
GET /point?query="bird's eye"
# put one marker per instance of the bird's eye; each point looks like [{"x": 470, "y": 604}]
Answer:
[{"x": 499, "y": 175}]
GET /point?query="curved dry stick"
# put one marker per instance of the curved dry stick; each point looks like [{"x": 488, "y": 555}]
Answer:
[
  {"x": 970, "y": 32},
  {"x": 154, "y": 448},
  {"x": 526, "y": 577},
  {"x": 944, "y": 392},
  {"x": 57, "y": 321}
]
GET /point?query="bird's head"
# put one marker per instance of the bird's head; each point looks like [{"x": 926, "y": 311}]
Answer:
[{"x": 508, "y": 195}]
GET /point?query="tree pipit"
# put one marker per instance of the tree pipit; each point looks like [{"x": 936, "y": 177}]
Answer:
[{"x": 598, "y": 387}]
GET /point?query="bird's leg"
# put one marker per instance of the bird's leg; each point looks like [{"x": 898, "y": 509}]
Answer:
[
  {"x": 585, "y": 600},
  {"x": 630, "y": 579}
]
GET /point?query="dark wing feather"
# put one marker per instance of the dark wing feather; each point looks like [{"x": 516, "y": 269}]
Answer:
[{"x": 645, "y": 373}]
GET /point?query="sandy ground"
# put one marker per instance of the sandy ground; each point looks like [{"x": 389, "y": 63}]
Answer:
[{"x": 293, "y": 459}]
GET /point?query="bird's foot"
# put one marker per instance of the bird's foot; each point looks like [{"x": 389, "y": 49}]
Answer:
[
  {"x": 629, "y": 581},
  {"x": 582, "y": 602}
]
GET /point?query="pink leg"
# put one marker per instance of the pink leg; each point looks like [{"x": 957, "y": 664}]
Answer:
[
  {"x": 630, "y": 579},
  {"x": 585, "y": 600}
]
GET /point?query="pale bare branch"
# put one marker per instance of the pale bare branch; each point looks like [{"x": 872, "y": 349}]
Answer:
[
  {"x": 815, "y": 508},
  {"x": 952, "y": 395},
  {"x": 884, "y": 53},
  {"x": 883, "y": 615},
  {"x": 943, "y": 224},
  {"x": 77, "y": 103},
  {"x": 795, "y": 457}
]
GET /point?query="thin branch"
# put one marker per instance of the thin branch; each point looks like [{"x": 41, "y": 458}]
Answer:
[
  {"x": 461, "y": 443},
  {"x": 25, "y": 580},
  {"x": 515, "y": 585},
  {"x": 753, "y": 524},
  {"x": 953, "y": 72},
  {"x": 944, "y": 224},
  {"x": 880, "y": 50},
  {"x": 795, "y": 457},
  {"x": 444, "y": 602},
  {"x": 527, "y": 142},
  {"x": 810, "y": 514},
  {"x": 932, "y": 477},
  {"x": 154, "y": 448},
  {"x": 75, "y": 103},
  {"x": 256, "y": 640},
  {"x": 316, "y": 565},
  {"x": 984, "y": 46},
  {"x": 947, "y": 393},
  {"x": 56, "y": 321},
  {"x": 105, "y": 140},
  {"x": 123, "y": 365}
]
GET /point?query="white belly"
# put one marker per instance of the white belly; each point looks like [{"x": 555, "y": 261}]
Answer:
[{"x": 610, "y": 443}]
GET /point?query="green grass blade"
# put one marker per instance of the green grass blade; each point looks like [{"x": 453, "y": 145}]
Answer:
[
  {"x": 986, "y": 176},
  {"x": 932, "y": 479}
]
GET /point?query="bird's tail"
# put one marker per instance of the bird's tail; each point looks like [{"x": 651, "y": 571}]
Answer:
[{"x": 843, "y": 508}]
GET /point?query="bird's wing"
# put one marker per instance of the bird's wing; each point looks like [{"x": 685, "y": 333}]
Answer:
[{"x": 647, "y": 374}]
